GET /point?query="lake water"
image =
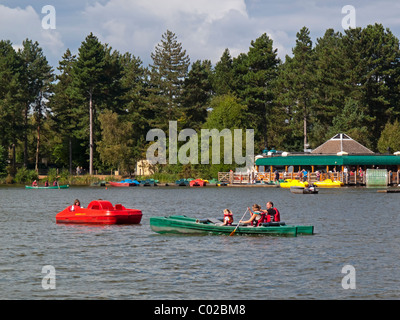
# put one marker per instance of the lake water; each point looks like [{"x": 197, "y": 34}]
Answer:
[{"x": 354, "y": 226}]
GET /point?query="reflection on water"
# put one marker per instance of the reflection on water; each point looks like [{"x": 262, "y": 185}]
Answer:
[{"x": 353, "y": 226}]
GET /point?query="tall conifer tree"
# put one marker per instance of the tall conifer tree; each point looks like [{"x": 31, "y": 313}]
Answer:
[
  {"x": 168, "y": 72},
  {"x": 88, "y": 77}
]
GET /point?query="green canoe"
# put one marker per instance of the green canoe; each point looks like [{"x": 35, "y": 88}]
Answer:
[
  {"x": 185, "y": 225},
  {"x": 65, "y": 186}
]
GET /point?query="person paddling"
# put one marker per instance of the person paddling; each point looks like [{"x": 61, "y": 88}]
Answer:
[{"x": 257, "y": 216}]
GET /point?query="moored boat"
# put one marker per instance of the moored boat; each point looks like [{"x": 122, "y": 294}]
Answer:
[
  {"x": 292, "y": 183},
  {"x": 148, "y": 182},
  {"x": 99, "y": 212},
  {"x": 124, "y": 184},
  {"x": 328, "y": 183},
  {"x": 186, "y": 225},
  {"x": 217, "y": 183},
  {"x": 198, "y": 183},
  {"x": 303, "y": 190},
  {"x": 64, "y": 186},
  {"x": 182, "y": 182}
]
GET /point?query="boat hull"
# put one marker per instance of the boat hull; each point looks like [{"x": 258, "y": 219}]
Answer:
[
  {"x": 303, "y": 190},
  {"x": 122, "y": 184},
  {"x": 198, "y": 183},
  {"x": 99, "y": 212},
  {"x": 329, "y": 184},
  {"x": 186, "y": 225},
  {"x": 293, "y": 183},
  {"x": 66, "y": 186}
]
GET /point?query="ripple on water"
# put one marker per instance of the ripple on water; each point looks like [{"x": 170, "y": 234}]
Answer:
[{"x": 132, "y": 262}]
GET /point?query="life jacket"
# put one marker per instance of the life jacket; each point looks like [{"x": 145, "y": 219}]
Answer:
[
  {"x": 229, "y": 218},
  {"x": 258, "y": 222},
  {"x": 276, "y": 216}
]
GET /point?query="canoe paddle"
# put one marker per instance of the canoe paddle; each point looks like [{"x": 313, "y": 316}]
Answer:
[{"x": 233, "y": 232}]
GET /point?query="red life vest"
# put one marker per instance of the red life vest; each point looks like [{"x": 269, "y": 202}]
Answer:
[
  {"x": 277, "y": 216},
  {"x": 259, "y": 221},
  {"x": 229, "y": 218}
]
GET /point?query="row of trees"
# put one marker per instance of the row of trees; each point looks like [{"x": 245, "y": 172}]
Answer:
[{"x": 96, "y": 111}]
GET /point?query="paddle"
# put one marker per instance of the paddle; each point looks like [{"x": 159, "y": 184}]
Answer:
[{"x": 233, "y": 232}]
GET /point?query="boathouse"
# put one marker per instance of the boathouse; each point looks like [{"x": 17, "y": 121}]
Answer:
[{"x": 340, "y": 158}]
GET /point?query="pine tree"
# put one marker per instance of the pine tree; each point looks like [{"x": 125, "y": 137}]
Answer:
[
  {"x": 36, "y": 77},
  {"x": 134, "y": 82},
  {"x": 168, "y": 72},
  {"x": 295, "y": 88},
  {"x": 88, "y": 79},
  {"x": 11, "y": 120},
  {"x": 330, "y": 89},
  {"x": 374, "y": 70},
  {"x": 197, "y": 92},
  {"x": 260, "y": 65},
  {"x": 222, "y": 77},
  {"x": 66, "y": 113}
]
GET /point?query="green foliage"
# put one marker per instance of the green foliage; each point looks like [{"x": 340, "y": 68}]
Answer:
[
  {"x": 2, "y": 162},
  {"x": 352, "y": 120},
  {"x": 348, "y": 82},
  {"x": 167, "y": 75},
  {"x": 196, "y": 95},
  {"x": 226, "y": 113},
  {"x": 116, "y": 146},
  {"x": 24, "y": 175},
  {"x": 390, "y": 138},
  {"x": 258, "y": 70}
]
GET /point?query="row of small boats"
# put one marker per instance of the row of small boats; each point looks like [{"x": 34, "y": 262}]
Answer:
[
  {"x": 133, "y": 183},
  {"x": 300, "y": 187},
  {"x": 102, "y": 212},
  {"x": 181, "y": 182},
  {"x": 328, "y": 183}
]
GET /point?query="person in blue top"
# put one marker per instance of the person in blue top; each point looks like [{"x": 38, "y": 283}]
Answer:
[{"x": 304, "y": 174}]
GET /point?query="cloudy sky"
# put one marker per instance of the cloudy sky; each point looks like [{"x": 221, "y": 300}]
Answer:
[{"x": 204, "y": 27}]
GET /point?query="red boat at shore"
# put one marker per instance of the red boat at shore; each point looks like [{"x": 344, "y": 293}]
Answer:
[
  {"x": 122, "y": 184},
  {"x": 198, "y": 183},
  {"x": 99, "y": 212}
]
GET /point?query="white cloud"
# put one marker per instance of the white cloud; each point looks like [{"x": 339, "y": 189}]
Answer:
[
  {"x": 204, "y": 27},
  {"x": 137, "y": 26},
  {"x": 18, "y": 24}
]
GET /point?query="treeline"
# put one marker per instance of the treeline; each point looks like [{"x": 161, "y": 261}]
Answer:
[{"x": 96, "y": 110}]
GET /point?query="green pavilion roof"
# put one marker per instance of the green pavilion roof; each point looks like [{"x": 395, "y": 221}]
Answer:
[{"x": 329, "y": 160}]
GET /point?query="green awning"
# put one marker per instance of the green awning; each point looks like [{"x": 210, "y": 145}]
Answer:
[{"x": 329, "y": 160}]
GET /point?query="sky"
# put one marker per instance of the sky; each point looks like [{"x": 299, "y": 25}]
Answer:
[{"x": 204, "y": 27}]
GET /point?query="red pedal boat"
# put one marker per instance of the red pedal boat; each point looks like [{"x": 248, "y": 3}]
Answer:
[
  {"x": 122, "y": 184},
  {"x": 99, "y": 212},
  {"x": 198, "y": 183}
]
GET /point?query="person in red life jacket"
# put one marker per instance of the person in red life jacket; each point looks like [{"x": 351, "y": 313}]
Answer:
[
  {"x": 34, "y": 184},
  {"x": 257, "y": 216},
  {"x": 272, "y": 214},
  {"x": 228, "y": 217},
  {"x": 46, "y": 184}
]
